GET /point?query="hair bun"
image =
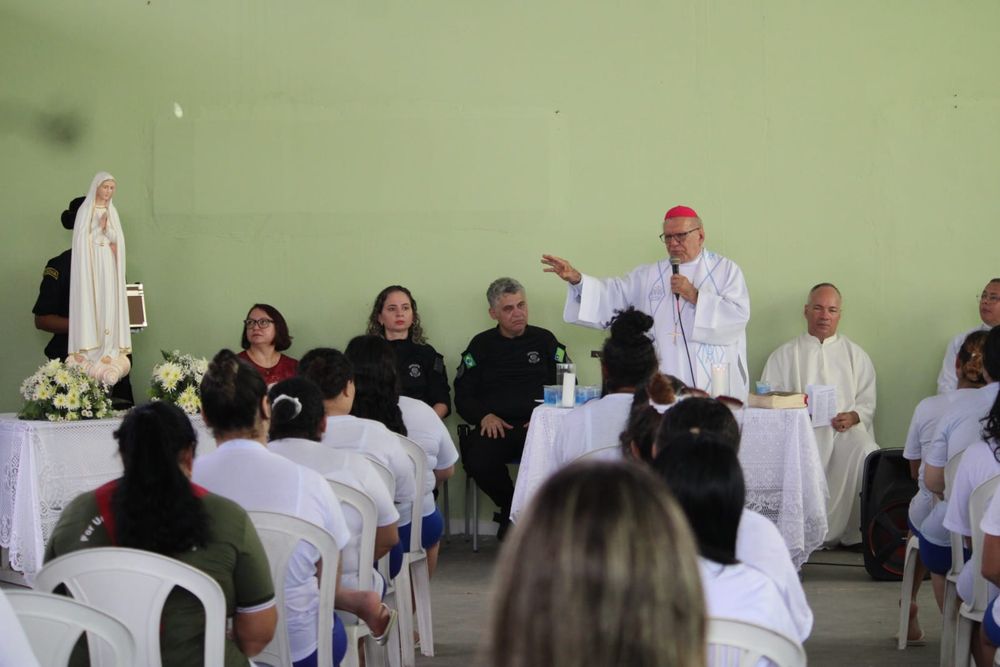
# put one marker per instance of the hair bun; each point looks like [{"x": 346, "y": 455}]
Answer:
[{"x": 630, "y": 326}]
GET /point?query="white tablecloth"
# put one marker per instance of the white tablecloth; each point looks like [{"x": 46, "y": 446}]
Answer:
[
  {"x": 45, "y": 465},
  {"x": 784, "y": 477}
]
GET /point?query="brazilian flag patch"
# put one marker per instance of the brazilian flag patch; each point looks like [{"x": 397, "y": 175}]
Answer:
[
  {"x": 560, "y": 354},
  {"x": 468, "y": 360}
]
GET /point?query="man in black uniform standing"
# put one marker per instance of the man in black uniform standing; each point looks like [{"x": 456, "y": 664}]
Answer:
[
  {"x": 52, "y": 308},
  {"x": 498, "y": 381}
]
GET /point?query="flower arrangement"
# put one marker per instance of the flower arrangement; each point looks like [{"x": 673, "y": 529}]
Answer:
[
  {"x": 57, "y": 392},
  {"x": 176, "y": 380}
]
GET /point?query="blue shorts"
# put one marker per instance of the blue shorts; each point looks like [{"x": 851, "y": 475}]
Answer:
[
  {"x": 990, "y": 624},
  {"x": 396, "y": 554},
  {"x": 431, "y": 530},
  {"x": 339, "y": 646},
  {"x": 936, "y": 558}
]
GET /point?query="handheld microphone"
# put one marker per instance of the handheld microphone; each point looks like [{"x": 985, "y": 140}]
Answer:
[{"x": 675, "y": 267}]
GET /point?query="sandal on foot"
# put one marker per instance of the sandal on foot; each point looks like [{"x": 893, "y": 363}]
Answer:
[{"x": 383, "y": 638}]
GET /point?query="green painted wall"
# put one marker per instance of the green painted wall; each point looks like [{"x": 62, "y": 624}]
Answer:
[{"x": 327, "y": 149}]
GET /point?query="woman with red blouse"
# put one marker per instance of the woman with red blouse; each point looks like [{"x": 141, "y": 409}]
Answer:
[{"x": 265, "y": 337}]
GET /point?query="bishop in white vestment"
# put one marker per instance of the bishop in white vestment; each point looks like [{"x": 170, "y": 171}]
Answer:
[
  {"x": 707, "y": 303},
  {"x": 821, "y": 356}
]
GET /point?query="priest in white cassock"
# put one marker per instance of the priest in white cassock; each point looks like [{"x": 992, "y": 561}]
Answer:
[
  {"x": 822, "y": 357},
  {"x": 692, "y": 294},
  {"x": 989, "y": 313}
]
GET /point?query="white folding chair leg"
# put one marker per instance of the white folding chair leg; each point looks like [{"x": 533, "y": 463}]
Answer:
[
  {"x": 949, "y": 618},
  {"x": 906, "y": 590},
  {"x": 420, "y": 579},
  {"x": 404, "y": 609},
  {"x": 963, "y": 641}
]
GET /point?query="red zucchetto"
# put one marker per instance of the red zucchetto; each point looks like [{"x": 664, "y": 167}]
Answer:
[{"x": 680, "y": 212}]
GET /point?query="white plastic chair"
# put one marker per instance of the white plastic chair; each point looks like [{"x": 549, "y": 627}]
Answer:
[
  {"x": 395, "y": 657},
  {"x": 750, "y": 643},
  {"x": 418, "y": 581},
  {"x": 280, "y": 535},
  {"x": 355, "y": 627},
  {"x": 949, "y": 610},
  {"x": 906, "y": 590},
  {"x": 971, "y": 611},
  {"x": 606, "y": 453},
  {"x": 132, "y": 586},
  {"x": 54, "y": 623}
]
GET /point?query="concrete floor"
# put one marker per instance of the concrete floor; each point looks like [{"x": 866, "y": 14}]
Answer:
[{"x": 855, "y": 617}]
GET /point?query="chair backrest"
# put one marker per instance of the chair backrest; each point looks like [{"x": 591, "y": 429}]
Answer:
[
  {"x": 950, "y": 469},
  {"x": 280, "y": 534},
  {"x": 53, "y": 624},
  {"x": 957, "y": 548},
  {"x": 607, "y": 453},
  {"x": 384, "y": 474},
  {"x": 418, "y": 457},
  {"x": 978, "y": 502},
  {"x": 363, "y": 504},
  {"x": 132, "y": 586},
  {"x": 732, "y": 642}
]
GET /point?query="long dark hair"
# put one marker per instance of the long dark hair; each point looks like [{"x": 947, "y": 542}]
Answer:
[
  {"x": 376, "y": 382},
  {"x": 991, "y": 364},
  {"x": 375, "y": 328},
  {"x": 628, "y": 354},
  {"x": 231, "y": 394},
  {"x": 705, "y": 476},
  {"x": 644, "y": 419},
  {"x": 154, "y": 506}
]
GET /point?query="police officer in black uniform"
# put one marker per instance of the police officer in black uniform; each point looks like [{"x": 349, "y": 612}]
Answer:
[
  {"x": 421, "y": 373},
  {"x": 52, "y": 308},
  {"x": 498, "y": 381}
]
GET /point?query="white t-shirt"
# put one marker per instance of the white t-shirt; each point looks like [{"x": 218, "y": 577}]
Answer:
[
  {"x": 991, "y": 526},
  {"x": 978, "y": 465},
  {"x": 759, "y": 545},
  {"x": 261, "y": 481},
  {"x": 959, "y": 427},
  {"x": 743, "y": 593},
  {"x": 357, "y": 472},
  {"x": 918, "y": 442},
  {"x": 373, "y": 439},
  {"x": 424, "y": 427}
]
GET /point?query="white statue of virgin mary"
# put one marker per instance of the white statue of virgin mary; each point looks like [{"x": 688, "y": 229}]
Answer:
[{"x": 99, "y": 335}]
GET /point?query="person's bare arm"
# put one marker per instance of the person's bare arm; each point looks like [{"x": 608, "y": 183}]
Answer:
[
  {"x": 386, "y": 537},
  {"x": 441, "y": 474},
  {"x": 991, "y": 558},
  {"x": 934, "y": 478},
  {"x": 915, "y": 469},
  {"x": 56, "y": 324},
  {"x": 252, "y": 631}
]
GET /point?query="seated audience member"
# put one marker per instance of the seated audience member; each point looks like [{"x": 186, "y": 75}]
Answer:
[
  {"x": 241, "y": 468},
  {"x": 154, "y": 506},
  {"x": 959, "y": 427},
  {"x": 422, "y": 375},
  {"x": 969, "y": 366},
  {"x": 649, "y": 402},
  {"x": 989, "y": 313},
  {"x": 704, "y": 474},
  {"x": 601, "y": 570},
  {"x": 628, "y": 360},
  {"x": 296, "y": 432},
  {"x": 376, "y": 398},
  {"x": 759, "y": 544},
  {"x": 821, "y": 356},
  {"x": 980, "y": 462},
  {"x": 265, "y": 337},
  {"x": 989, "y": 638},
  {"x": 502, "y": 373},
  {"x": 332, "y": 371}
]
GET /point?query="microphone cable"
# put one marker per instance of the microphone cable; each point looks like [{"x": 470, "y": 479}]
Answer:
[{"x": 687, "y": 350}]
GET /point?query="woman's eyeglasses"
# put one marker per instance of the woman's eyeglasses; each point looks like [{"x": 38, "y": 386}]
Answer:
[{"x": 260, "y": 324}]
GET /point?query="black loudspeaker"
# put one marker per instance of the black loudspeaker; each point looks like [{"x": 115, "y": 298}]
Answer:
[{"x": 886, "y": 490}]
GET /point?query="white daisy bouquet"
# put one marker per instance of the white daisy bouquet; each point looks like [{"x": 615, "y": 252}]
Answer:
[
  {"x": 57, "y": 392},
  {"x": 177, "y": 380}
]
